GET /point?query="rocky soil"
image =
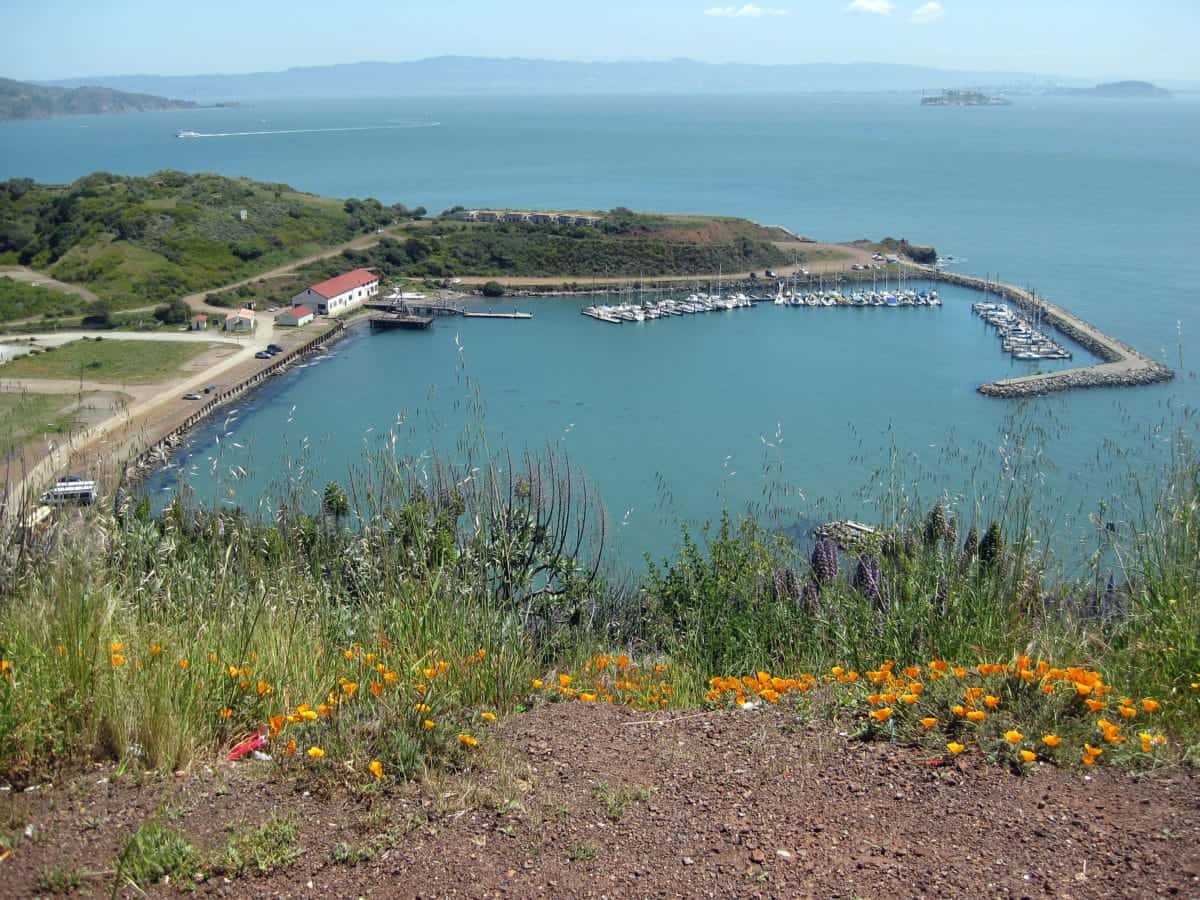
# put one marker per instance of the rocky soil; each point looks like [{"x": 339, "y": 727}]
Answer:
[{"x": 571, "y": 800}]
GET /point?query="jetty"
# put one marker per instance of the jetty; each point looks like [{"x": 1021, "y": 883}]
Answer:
[{"x": 1120, "y": 364}]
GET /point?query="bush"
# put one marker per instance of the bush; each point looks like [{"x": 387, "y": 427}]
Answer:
[
  {"x": 174, "y": 313},
  {"x": 493, "y": 289}
]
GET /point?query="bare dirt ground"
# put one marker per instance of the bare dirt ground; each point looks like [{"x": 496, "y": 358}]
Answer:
[{"x": 598, "y": 801}]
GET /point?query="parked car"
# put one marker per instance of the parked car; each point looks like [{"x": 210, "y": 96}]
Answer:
[
  {"x": 191, "y": 395},
  {"x": 262, "y": 354},
  {"x": 210, "y": 389},
  {"x": 274, "y": 348}
]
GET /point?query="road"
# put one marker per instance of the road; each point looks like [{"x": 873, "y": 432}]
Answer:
[{"x": 23, "y": 490}]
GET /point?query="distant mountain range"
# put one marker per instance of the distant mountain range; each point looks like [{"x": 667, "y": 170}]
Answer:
[
  {"x": 20, "y": 100},
  {"x": 476, "y": 75}
]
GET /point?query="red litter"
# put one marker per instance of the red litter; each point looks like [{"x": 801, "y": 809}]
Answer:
[{"x": 256, "y": 741}]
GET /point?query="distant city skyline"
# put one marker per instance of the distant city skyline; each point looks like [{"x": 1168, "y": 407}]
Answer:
[{"x": 1151, "y": 39}]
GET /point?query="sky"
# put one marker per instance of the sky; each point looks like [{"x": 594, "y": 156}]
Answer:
[{"x": 1100, "y": 39}]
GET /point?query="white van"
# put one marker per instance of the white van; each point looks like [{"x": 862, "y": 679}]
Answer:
[{"x": 81, "y": 492}]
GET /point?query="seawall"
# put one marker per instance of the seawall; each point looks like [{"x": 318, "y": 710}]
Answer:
[
  {"x": 1120, "y": 366},
  {"x": 159, "y": 451}
]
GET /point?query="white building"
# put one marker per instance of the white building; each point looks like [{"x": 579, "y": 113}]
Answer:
[
  {"x": 337, "y": 295},
  {"x": 242, "y": 320},
  {"x": 295, "y": 317}
]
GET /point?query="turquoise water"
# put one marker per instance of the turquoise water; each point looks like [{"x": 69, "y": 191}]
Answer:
[{"x": 1093, "y": 203}]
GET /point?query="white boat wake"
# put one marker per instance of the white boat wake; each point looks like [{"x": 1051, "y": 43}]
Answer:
[{"x": 218, "y": 134}]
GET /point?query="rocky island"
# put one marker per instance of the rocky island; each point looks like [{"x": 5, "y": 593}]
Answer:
[
  {"x": 964, "y": 98},
  {"x": 1130, "y": 90}
]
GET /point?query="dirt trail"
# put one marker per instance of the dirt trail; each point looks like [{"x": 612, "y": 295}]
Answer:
[
  {"x": 595, "y": 801},
  {"x": 30, "y": 276}
]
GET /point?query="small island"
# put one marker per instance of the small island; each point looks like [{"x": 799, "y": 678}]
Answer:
[
  {"x": 1124, "y": 90},
  {"x": 21, "y": 100},
  {"x": 964, "y": 98}
]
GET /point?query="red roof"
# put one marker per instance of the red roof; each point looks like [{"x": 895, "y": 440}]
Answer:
[
  {"x": 347, "y": 281},
  {"x": 200, "y": 317},
  {"x": 301, "y": 311}
]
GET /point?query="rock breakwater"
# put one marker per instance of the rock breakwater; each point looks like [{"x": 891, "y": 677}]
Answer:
[{"x": 1120, "y": 366}]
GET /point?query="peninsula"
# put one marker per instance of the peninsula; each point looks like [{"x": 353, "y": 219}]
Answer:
[{"x": 21, "y": 100}]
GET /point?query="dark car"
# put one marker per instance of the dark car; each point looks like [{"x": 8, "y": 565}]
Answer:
[
  {"x": 69, "y": 479},
  {"x": 274, "y": 348}
]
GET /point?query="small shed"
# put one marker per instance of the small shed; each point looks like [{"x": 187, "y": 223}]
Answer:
[
  {"x": 199, "y": 322},
  {"x": 295, "y": 317},
  {"x": 241, "y": 321}
]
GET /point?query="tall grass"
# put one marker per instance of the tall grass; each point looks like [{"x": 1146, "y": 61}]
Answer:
[{"x": 380, "y": 627}]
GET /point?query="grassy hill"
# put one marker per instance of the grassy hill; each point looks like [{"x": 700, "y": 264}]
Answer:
[
  {"x": 622, "y": 244},
  {"x": 19, "y": 300},
  {"x": 20, "y": 100},
  {"x": 139, "y": 241}
]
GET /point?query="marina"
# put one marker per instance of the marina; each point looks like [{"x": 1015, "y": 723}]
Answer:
[
  {"x": 695, "y": 304},
  {"x": 642, "y": 312},
  {"x": 1019, "y": 337}
]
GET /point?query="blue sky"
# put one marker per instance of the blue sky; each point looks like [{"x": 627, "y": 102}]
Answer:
[{"x": 1154, "y": 39}]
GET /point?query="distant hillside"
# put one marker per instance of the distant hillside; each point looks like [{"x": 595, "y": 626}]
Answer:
[
  {"x": 19, "y": 100},
  {"x": 476, "y": 75},
  {"x": 138, "y": 241},
  {"x": 1120, "y": 89}
]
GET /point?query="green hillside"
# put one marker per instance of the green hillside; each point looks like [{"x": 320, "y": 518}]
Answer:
[
  {"x": 21, "y": 100},
  {"x": 144, "y": 240},
  {"x": 623, "y": 243}
]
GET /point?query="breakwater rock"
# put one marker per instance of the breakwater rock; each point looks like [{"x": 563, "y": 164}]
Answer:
[{"x": 1120, "y": 366}]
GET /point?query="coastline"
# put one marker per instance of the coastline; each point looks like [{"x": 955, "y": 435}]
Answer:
[
  {"x": 125, "y": 448},
  {"x": 167, "y": 437}
]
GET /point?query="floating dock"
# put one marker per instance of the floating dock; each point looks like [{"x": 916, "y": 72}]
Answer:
[{"x": 496, "y": 315}]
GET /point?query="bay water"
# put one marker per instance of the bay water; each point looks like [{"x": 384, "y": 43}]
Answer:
[{"x": 800, "y": 412}]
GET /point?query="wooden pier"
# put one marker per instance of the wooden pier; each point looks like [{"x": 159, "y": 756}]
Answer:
[
  {"x": 387, "y": 321},
  {"x": 497, "y": 315},
  {"x": 418, "y": 307}
]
